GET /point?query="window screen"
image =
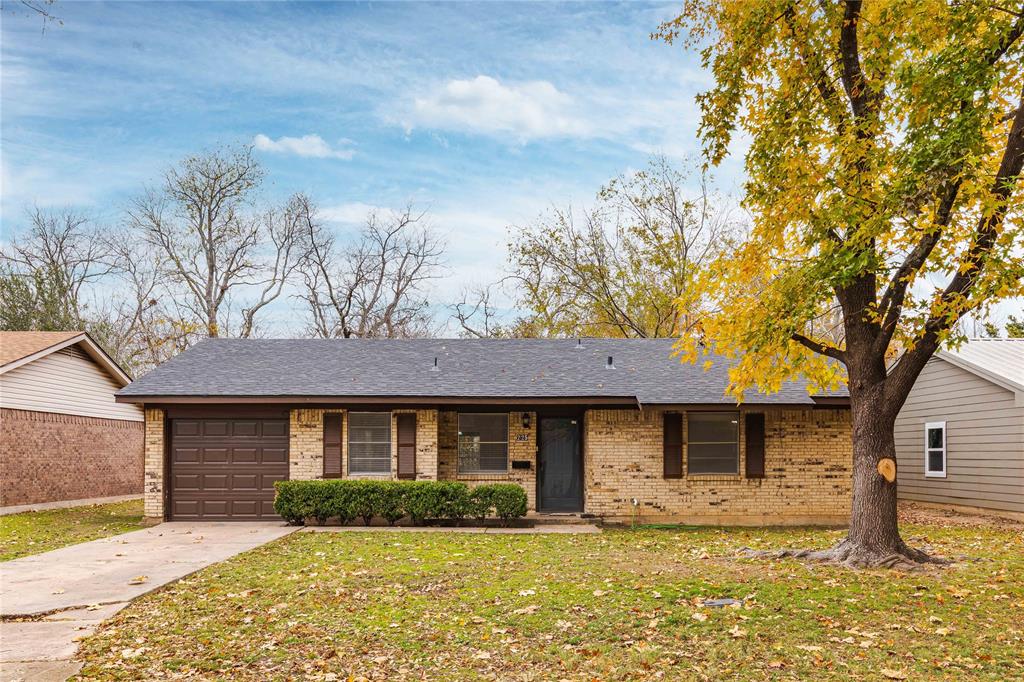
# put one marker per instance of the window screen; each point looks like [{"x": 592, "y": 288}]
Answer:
[
  {"x": 935, "y": 449},
  {"x": 369, "y": 443},
  {"x": 483, "y": 443},
  {"x": 712, "y": 443}
]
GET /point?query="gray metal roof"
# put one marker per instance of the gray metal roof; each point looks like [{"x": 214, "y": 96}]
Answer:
[
  {"x": 644, "y": 370},
  {"x": 998, "y": 360}
]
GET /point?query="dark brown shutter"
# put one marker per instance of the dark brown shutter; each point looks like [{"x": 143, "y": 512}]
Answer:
[
  {"x": 672, "y": 439},
  {"x": 332, "y": 445},
  {"x": 407, "y": 446},
  {"x": 755, "y": 445}
]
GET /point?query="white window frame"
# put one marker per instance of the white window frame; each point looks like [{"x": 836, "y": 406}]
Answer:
[
  {"x": 349, "y": 442},
  {"x": 508, "y": 453},
  {"x": 928, "y": 427}
]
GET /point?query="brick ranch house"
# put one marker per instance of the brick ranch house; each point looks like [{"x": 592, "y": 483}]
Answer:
[
  {"x": 606, "y": 427},
  {"x": 62, "y": 435}
]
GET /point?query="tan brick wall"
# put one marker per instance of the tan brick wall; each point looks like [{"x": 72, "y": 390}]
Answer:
[
  {"x": 50, "y": 457},
  {"x": 522, "y": 445},
  {"x": 426, "y": 445},
  {"x": 306, "y": 443},
  {"x": 808, "y": 456},
  {"x": 153, "y": 490},
  {"x": 306, "y": 446}
]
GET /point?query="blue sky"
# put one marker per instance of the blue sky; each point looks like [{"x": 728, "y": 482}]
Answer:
[{"x": 484, "y": 113}]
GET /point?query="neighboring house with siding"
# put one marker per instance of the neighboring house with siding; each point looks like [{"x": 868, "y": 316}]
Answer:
[
  {"x": 960, "y": 434},
  {"x": 62, "y": 435},
  {"x": 606, "y": 427}
]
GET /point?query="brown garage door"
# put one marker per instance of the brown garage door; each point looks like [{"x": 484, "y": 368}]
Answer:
[{"x": 224, "y": 469}]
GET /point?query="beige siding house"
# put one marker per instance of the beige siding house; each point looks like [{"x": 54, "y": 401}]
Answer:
[
  {"x": 960, "y": 435},
  {"x": 62, "y": 435}
]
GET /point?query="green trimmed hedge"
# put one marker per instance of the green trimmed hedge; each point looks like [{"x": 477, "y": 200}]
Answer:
[{"x": 422, "y": 501}]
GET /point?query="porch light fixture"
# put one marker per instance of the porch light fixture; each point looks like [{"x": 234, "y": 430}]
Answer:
[{"x": 526, "y": 420}]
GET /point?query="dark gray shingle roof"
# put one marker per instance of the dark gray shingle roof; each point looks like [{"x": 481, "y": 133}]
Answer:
[{"x": 645, "y": 370}]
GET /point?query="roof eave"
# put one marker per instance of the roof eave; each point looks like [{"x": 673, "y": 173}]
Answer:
[
  {"x": 91, "y": 348},
  {"x": 450, "y": 400},
  {"x": 973, "y": 368}
]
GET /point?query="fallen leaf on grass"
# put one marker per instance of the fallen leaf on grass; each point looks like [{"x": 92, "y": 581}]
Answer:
[
  {"x": 526, "y": 610},
  {"x": 697, "y": 615},
  {"x": 893, "y": 674},
  {"x": 737, "y": 632},
  {"x": 808, "y": 647}
]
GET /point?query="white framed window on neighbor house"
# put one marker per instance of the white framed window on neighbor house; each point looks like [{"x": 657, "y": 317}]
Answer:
[{"x": 935, "y": 449}]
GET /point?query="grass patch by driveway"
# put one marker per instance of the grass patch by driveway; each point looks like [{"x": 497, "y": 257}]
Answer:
[
  {"x": 621, "y": 605},
  {"x": 36, "y": 532}
]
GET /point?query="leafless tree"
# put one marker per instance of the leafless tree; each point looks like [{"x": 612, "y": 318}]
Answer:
[
  {"x": 214, "y": 243},
  {"x": 65, "y": 272},
  {"x": 65, "y": 244},
  {"x": 375, "y": 285},
  {"x": 618, "y": 268}
]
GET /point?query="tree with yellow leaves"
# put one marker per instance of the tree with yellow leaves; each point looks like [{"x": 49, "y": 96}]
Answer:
[{"x": 887, "y": 145}]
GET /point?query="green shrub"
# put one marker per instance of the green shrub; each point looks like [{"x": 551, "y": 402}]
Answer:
[
  {"x": 366, "y": 503},
  {"x": 342, "y": 500},
  {"x": 446, "y": 500},
  {"x": 345, "y": 500},
  {"x": 390, "y": 501},
  {"x": 480, "y": 502},
  {"x": 288, "y": 501},
  {"x": 509, "y": 501}
]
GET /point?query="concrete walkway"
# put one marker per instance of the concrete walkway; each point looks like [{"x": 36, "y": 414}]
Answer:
[
  {"x": 65, "y": 504},
  {"x": 66, "y": 593}
]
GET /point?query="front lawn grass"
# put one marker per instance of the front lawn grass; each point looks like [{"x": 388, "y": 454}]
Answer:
[
  {"x": 35, "y": 532},
  {"x": 622, "y": 605}
]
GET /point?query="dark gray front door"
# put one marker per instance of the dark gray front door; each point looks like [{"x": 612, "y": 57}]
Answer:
[{"x": 561, "y": 468}]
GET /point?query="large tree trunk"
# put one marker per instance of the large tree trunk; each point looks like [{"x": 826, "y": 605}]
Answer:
[
  {"x": 873, "y": 524},
  {"x": 874, "y": 537}
]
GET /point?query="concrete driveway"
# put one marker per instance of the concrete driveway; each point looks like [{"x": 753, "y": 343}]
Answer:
[{"x": 61, "y": 596}]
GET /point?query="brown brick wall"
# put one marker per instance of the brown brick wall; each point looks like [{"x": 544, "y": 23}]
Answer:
[
  {"x": 47, "y": 457},
  {"x": 808, "y": 456}
]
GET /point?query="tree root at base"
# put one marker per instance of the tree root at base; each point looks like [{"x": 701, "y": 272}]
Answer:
[{"x": 855, "y": 555}]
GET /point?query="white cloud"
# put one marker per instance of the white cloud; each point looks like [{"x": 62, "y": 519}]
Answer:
[
  {"x": 307, "y": 145},
  {"x": 352, "y": 213},
  {"x": 533, "y": 109}
]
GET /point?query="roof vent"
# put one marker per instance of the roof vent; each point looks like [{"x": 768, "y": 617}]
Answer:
[
  {"x": 579, "y": 344},
  {"x": 609, "y": 364},
  {"x": 434, "y": 368}
]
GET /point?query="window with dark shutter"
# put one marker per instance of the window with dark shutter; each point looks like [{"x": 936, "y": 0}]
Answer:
[
  {"x": 754, "y": 428},
  {"x": 407, "y": 446},
  {"x": 332, "y": 446},
  {"x": 369, "y": 442},
  {"x": 713, "y": 444},
  {"x": 672, "y": 442}
]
